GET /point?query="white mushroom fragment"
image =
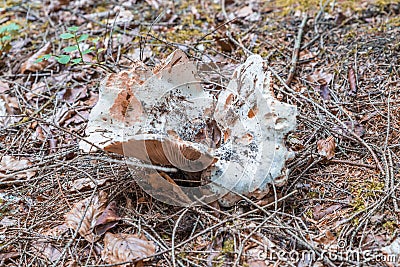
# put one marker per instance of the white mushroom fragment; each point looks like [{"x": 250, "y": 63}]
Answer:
[{"x": 231, "y": 142}]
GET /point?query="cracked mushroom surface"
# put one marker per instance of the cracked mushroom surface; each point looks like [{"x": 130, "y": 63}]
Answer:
[{"x": 232, "y": 141}]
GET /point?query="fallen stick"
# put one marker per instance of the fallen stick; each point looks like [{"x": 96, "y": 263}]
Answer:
[
  {"x": 354, "y": 163},
  {"x": 296, "y": 51}
]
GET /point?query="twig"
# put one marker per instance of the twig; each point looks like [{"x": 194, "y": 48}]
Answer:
[
  {"x": 391, "y": 173},
  {"x": 143, "y": 41},
  {"x": 61, "y": 191},
  {"x": 224, "y": 10},
  {"x": 233, "y": 40},
  {"x": 211, "y": 32},
  {"x": 352, "y": 163},
  {"x": 173, "y": 236},
  {"x": 296, "y": 51}
]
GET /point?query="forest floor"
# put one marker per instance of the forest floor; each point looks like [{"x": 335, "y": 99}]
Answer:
[{"x": 343, "y": 210}]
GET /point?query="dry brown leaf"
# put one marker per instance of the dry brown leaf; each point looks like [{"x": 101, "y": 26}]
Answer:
[
  {"x": 326, "y": 148},
  {"x": 31, "y": 66},
  {"x": 76, "y": 119},
  {"x": 10, "y": 165},
  {"x": 319, "y": 211},
  {"x": 4, "y": 87},
  {"x": 71, "y": 95},
  {"x": 45, "y": 248},
  {"x": 108, "y": 219},
  {"x": 125, "y": 247},
  {"x": 326, "y": 240},
  {"x": 8, "y": 108},
  {"x": 86, "y": 183},
  {"x": 352, "y": 82},
  {"x": 93, "y": 207},
  {"x": 321, "y": 81}
]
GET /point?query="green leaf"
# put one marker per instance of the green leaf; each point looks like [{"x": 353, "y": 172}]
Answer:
[
  {"x": 39, "y": 60},
  {"x": 66, "y": 35},
  {"x": 5, "y": 38},
  {"x": 101, "y": 50},
  {"x": 73, "y": 29},
  {"x": 96, "y": 40},
  {"x": 83, "y": 37},
  {"x": 44, "y": 57},
  {"x": 76, "y": 60},
  {"x": 9, "y": 27},
  {"x": 72, "y": 48},
  {"x": 63, "y": 59},
  {"x": 87, "y": 51}
]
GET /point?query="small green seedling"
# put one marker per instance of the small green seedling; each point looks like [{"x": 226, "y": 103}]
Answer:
[
  {"x": 7, "y": 32},
  {"x": 78, "y": 39}
]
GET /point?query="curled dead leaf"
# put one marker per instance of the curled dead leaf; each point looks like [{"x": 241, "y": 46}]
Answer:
[
  {"x": 321, "y": 81},
  {"x": 352, "y": 82},
  {"x": 125, "y": 248},
  {"x": 326, "y": 148},
  {"x": 108, "y": 219},
  {"x": 31, "y": 65},
  {"x": 87, "y": 211}
]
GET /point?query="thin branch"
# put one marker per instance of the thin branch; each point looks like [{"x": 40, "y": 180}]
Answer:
[{"x": 296, "y": 51}]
